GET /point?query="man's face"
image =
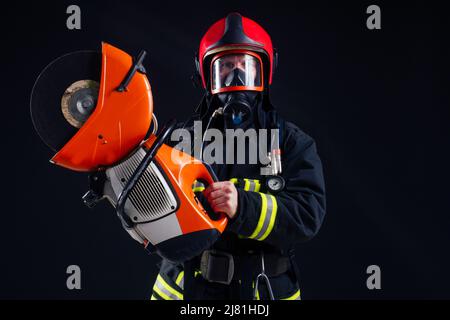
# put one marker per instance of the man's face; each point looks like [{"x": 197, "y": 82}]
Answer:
[
  {"x": 242, "y": 62},
  {"x": 236, "y": 69}
]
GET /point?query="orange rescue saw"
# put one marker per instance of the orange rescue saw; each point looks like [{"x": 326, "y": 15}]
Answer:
[{"x": 95, "y": 110}]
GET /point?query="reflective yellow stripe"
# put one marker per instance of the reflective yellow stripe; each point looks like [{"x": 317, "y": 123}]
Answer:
[
  {"x": 252, "y": 184},
  {"x": 153, "y": 298},
  {"x": 179, "y": 278},
  {"x": 169, "y": 288},
  {"x": 161, "y": 294},
  {"x": 295, "y": 296},
  {"x": 257, "y": 185},
  {"x": 272, "y": 218},
  {"x": 246, "y": 185},
  {"x": 269, "y": 208},
  {"x": 262, "y": 216},
  {"x": 257, "y": 292},
  {"x": 198, "y": 186}
]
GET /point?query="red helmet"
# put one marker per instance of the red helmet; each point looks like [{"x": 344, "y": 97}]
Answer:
[{"x": 239, "y": 35}]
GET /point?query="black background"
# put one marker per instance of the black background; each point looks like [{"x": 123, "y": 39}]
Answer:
[{"x": 372, "y": 99}]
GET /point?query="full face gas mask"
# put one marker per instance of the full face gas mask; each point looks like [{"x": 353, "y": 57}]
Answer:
[{"x": 236, "y": 79}]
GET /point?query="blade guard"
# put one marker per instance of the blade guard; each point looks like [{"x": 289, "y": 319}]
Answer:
[{"x": 119, "y": 122}]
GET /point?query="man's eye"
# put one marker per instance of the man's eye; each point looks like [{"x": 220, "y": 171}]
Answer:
[{"x": 229, "y": 65}]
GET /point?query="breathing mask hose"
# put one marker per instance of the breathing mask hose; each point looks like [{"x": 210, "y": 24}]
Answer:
[{"x": 218, "y": 111}]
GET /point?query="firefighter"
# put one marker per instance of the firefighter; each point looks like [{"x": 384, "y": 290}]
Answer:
[{"x": 270, "y": 207}]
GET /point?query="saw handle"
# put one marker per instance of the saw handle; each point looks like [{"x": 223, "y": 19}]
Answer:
[
  {"x": 206, "y": 178},
  {"x": 136, "y": 66}
]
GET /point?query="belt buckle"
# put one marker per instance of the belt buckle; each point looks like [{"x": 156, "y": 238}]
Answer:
[{"x": 217, "y": 266}]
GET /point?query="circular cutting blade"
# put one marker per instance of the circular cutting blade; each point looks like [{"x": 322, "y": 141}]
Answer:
[
  {"x": 64, "y": 95},
  {"x": 79, "y": 101}
]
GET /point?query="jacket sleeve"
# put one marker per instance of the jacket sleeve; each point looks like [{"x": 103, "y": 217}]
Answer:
[{"x": 295, "y": 214}]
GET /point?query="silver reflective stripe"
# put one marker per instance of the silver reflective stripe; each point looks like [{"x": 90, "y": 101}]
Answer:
[
  {"x": 252, "y": 185},
  {"x": 295, "y": 296},
  {"x": 269, "y": 213},
  {"x": 247, "y": 184},
  {"x": 198, "y": 184},
  {"x": 163, "y": 289},
  {"x": 180, "y": 280},
  {"x": 182, "y": 283}
]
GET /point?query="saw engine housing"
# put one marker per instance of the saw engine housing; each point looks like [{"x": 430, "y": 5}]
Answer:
[{"x": 153, "y": 195}]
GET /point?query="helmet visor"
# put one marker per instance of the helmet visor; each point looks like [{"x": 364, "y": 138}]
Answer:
[{"x": 236, "y": 71}]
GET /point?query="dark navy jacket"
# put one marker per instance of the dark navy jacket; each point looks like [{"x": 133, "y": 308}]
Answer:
[{"x": 271, "y": 223}]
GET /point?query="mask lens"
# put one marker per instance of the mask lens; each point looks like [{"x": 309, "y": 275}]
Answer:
[{"x": 236, "y": 70}]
